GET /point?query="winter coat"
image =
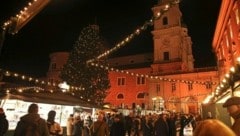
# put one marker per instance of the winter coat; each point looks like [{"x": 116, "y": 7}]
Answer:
[
  {"x": 102, "y": 127},
  {"x": 117, "y": 129},
  {"x": 3, "y": 124},
  {"x": 70, "y": 126},
  {"x": 34, "y": 120},
  {"x": 77, "y": 128},
  {"x": 236, "y": 126},
  {"x": 161, "y": 128}
]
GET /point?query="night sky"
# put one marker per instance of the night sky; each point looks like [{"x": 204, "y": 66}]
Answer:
[{"x": 58, "y": 25}]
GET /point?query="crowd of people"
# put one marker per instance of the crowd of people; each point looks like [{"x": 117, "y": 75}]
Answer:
[
  {"x": 116, "y": 124},
  {"x": 148, "y": 125}
]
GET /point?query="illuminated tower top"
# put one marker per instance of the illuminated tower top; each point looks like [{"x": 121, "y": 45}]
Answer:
[{"x": 172, "y": 45}]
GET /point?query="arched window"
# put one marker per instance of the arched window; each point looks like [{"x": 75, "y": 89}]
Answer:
[
  {"x": 140, "y": 95},
  {"x": 120, "y": 96},
  {"x": 165, "y": 21}
]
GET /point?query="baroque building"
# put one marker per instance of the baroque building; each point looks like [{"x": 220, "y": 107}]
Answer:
[
  {"x": 163, "y": 80},
  {"x": 226, "y": 45}
]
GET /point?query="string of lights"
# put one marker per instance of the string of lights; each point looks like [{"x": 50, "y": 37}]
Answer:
[
  {"x": 22, "y": 89},
  {"x": 35, "y": 80},
  {"x": 53, "y": 84},
  {"x": 136, "y": 32},
  {"x": 15, "y": 23},
  {"x": 152, "y": 77},
  {"x": 119, "y": 45},
  {"x": 40, "y": 88},
  {"x": 226, "y": 83}
]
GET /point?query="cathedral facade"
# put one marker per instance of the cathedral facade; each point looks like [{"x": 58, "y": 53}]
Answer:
[{"x": 164, "y": 79}]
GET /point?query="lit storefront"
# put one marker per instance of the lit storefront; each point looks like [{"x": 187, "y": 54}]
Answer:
[
  {"x": 14, "y": 109},
  {"x": 158, "y": 103},
  {"x": 16, "y": 105}
]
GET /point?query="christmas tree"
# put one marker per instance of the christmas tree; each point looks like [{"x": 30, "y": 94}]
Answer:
[{"x": 77, "y": 72}]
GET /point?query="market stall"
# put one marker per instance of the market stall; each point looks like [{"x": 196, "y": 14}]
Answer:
[{"x": 16, "y": 105}]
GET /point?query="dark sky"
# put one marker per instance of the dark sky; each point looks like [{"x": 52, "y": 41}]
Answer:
[{"x": 57, "y": 27}]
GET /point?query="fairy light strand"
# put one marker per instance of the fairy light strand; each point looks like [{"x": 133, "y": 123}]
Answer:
[
  {"x": 35, "y": 80},
  {"x": 135, "y": 33},
  {"x": 152, "y": 77}
]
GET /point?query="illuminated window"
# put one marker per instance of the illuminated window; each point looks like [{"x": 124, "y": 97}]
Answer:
[
  {"x": 208, "y": 85},
  {"x": 230, "y": 29},
  {"x": 227, "y": 41},
  {"x": 237, "y": 16},
  {"x": 190, "y": 86},
  {"x": 223, "y": 51},
  {"x": 120, "y": 96},
  {"x": 173, "y": 87},
  {"x": 121, "y": 81},
  {"x": 140, "y": 80},
  {"x": 165, "y": 21}
]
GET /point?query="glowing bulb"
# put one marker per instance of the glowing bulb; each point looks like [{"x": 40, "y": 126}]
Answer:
[
  {"x": 224, "y": 80},
  {"x": 227, "y": 75},
  {"x": 232, "y": 69}
]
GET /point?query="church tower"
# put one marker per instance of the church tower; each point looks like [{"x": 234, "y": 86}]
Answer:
[{"x": 172, "y": 45}]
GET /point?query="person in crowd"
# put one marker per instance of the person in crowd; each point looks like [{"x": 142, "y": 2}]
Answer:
[
  {"x": 209, "y": 115},
  {"x": 128, "y": 124},
  {"x": 87, "y": 124},
  {"x": 178, "y": 123},
  {"x": 161, "y": 127},
  {"x": 31, "y": 124},
  {"x": 109, "y": 120},
  {"x": 137, "y": 126},
  {"x": 198, "y": 118},
  {"x": 183, "y": 123},
  {"x": 99, "y": 127},
  {"x": 143, "y": 121},
  {"x": 147, "y": 128},
  {"x": 117, "y": 128},
  {"x": 77, "y": 126},
  {"x": 172, "y": 124},
  {"x": 3, "y": 123},
  {"x": 121, "y": 116},
  {"x": 212, "y": 127},
  {"x": 233, "y": 107},
  {"x": 193, "y": 121},
  {"x": 70, "y": 125},
  {"x": 54, "y": 128}
]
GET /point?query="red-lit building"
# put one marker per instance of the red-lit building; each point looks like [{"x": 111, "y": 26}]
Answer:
[
  {"x": 164, "y": 79},
  {"x": 226, "y": 45}
]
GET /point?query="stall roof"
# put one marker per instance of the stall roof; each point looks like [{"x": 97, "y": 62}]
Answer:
[{"x": 49, "y": 98}]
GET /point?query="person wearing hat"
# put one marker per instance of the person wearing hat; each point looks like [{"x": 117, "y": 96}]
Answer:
[
  {"x": 233, "y": 107},
  {"x": 3, "y": 123}
]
